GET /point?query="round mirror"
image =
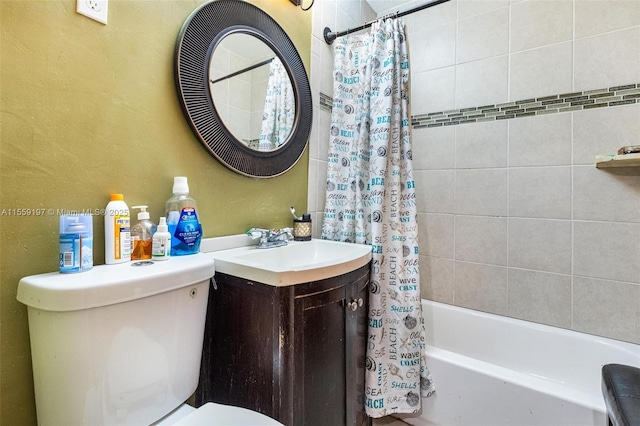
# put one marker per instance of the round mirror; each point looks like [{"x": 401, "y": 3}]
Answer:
[
  {"x": 243, "y": 88},
  {"x": 252, "y": 92}
]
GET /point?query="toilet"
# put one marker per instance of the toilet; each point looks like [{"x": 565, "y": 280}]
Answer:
[{"x": 121, "y": 345}]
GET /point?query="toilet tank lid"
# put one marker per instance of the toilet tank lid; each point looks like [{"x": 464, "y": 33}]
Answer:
[{"x": 110, "y": 284}]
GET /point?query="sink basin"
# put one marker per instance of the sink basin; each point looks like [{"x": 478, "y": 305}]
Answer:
[{"x": 297, "y": 262}]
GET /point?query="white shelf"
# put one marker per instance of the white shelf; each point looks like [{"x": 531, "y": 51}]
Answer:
[{"x": 627, "y": 160}]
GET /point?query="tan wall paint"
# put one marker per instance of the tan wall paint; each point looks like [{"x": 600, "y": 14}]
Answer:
[{"x": 89, "y": 109}]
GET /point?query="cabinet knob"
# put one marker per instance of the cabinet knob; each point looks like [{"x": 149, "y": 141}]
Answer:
[
  {"x": 360, "y": 302},
  {"x": 353, "y": 305}
]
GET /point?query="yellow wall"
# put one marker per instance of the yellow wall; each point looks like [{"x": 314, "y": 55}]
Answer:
[{"x": 88, "y": 110}]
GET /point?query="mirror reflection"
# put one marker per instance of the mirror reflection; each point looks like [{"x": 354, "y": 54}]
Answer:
[{"x": 252, "y": 92}]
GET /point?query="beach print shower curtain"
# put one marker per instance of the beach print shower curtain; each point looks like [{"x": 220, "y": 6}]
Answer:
[
  {"x": 370, "y": 199},
  {"x": 279, "y": 105}
]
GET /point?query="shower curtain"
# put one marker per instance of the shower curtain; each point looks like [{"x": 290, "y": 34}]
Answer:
[
  {"x": 370, "y": 199},
  {"x": 278, "y": 114}
]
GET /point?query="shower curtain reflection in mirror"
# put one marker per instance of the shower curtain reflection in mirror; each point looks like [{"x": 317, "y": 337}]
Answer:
[{"x": 279, "y": 108}]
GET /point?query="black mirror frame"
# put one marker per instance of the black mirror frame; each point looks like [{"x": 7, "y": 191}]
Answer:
[{"x": 200, "y": 34}]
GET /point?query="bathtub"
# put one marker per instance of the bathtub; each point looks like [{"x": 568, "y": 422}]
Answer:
[{"x": 494, "y": 370}]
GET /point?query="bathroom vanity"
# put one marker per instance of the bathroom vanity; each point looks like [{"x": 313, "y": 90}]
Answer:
[{"x": 295, "y": 353}]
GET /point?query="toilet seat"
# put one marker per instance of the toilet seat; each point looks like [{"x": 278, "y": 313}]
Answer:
[{"x": 211, "y": 414}]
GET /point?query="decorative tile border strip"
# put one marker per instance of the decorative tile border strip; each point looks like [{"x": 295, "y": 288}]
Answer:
[
  {"x": 326, "y": 102},
  {"x": 566, "y": 102}
]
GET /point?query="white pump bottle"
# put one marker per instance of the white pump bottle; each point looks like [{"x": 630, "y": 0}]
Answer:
[{"x": 161, "y": 242}]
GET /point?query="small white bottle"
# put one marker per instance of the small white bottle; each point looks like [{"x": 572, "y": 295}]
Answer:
[
  {"x": 161, "y": 247},
  {"x": 117, "y": 231}
]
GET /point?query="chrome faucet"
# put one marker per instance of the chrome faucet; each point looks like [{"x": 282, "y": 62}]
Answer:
[{"x": 270, "y": 238}]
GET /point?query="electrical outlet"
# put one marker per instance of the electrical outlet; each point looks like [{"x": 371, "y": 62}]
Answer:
[{"x": 94, "y": 9}]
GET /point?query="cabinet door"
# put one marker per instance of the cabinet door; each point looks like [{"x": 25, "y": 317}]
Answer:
[
  {"x": 319, "y": 384},
  {"x": 356, "y": 348},
  {"x": 238, "y": 350}
]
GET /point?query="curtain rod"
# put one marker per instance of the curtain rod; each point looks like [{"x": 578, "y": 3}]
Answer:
[
  {"x": 330, "y": 36},
  {"x": 249, "y": 68}
]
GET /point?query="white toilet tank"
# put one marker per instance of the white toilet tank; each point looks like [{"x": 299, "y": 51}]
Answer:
[{"x": 119, "y": 344}]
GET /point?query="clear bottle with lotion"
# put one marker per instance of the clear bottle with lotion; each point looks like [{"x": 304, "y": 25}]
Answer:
[
  {"x": 142, "y": 235},
  {"x": 117, "y": 231},
  {"x": 161, "y": 242}
]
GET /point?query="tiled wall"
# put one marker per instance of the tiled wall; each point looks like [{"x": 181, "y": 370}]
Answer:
[{"x": 514, "y": 217}]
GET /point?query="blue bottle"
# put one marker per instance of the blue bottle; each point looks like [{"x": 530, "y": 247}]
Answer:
[{"x": 182, "y": 220}]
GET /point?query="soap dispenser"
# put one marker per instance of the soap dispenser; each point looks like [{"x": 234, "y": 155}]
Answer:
[{"x": 142, "y": 235}]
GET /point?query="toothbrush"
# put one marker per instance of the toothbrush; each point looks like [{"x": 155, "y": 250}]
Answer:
[{"x": 293, "y": 212}]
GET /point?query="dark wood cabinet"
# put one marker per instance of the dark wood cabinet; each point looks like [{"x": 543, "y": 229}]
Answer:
[{"x": 294, "y": 353}]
